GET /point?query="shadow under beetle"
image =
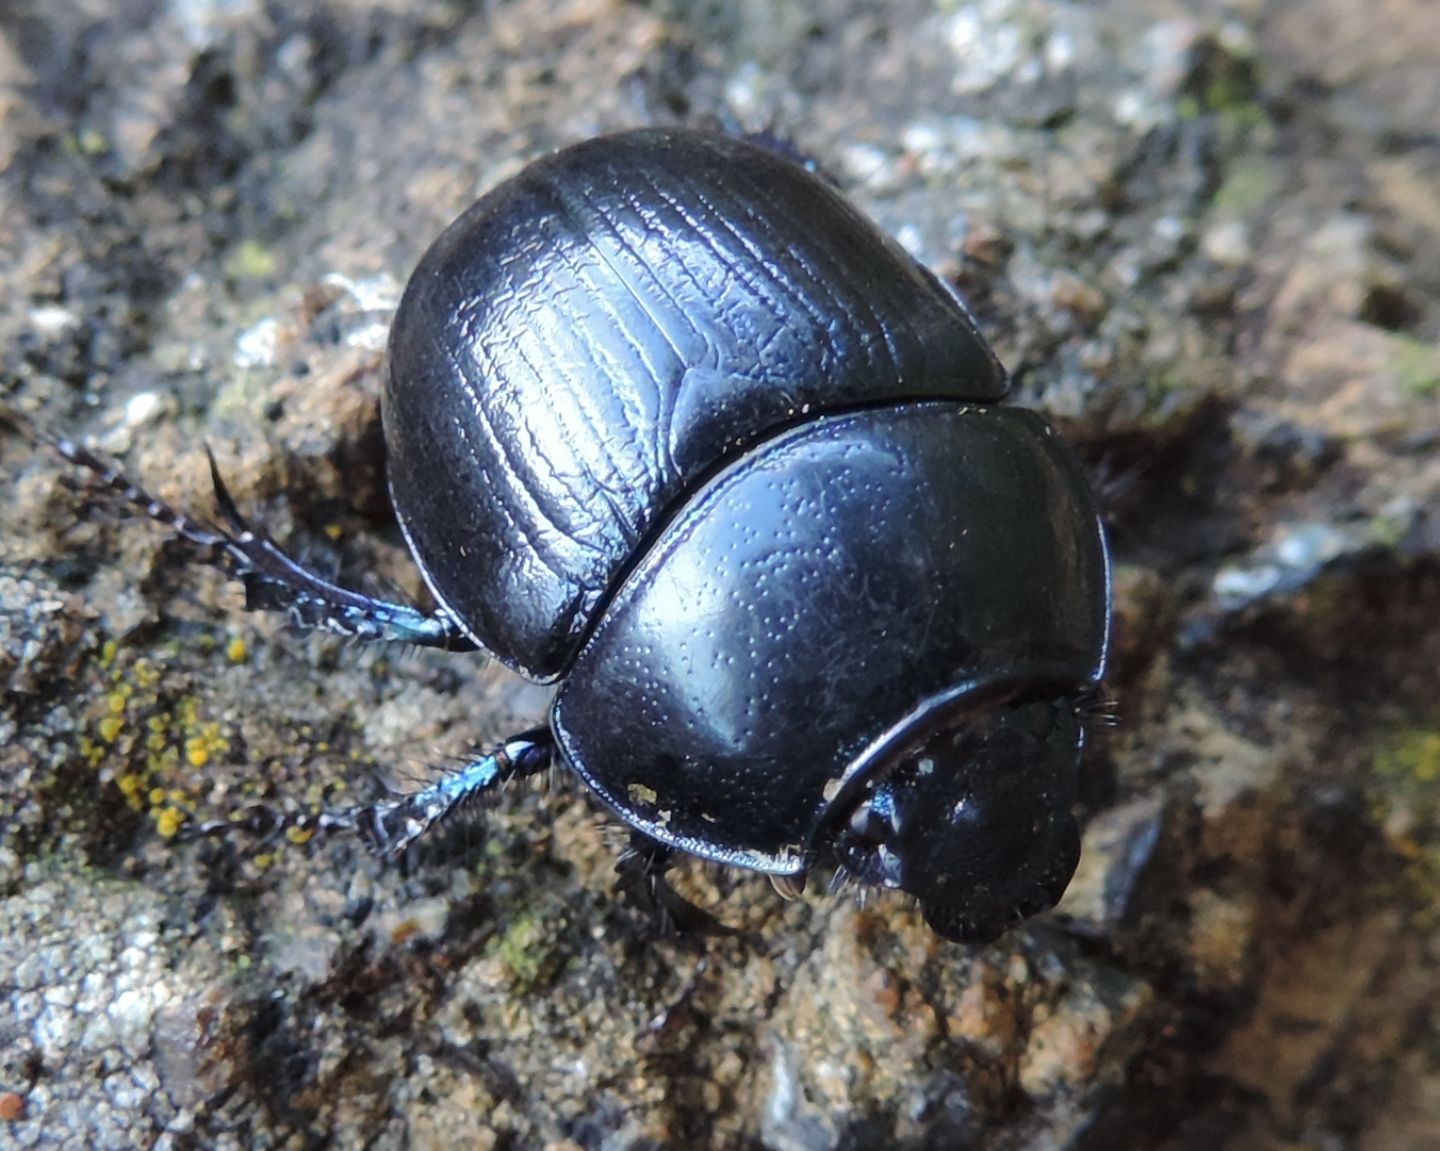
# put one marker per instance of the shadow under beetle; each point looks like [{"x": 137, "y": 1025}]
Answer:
[{"x": 670, "y": 422}]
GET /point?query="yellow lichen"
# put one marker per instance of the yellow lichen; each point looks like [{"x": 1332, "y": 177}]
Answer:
[
  {"x": 204, "y": 743},
  {"x": 1411, "y": 756},
  {"x": 168, "y": 821}
]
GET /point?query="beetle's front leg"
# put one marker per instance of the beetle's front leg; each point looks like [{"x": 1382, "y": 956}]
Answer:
[
  {"x": 642, "y": 882},
  {"x": 272, "y": 580}
]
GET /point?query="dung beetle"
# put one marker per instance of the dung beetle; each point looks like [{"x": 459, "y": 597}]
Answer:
[{"x": 670, "y": 423}]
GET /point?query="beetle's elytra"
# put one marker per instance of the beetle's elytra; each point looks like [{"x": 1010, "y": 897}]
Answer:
[{"x": 668, "y": 421}]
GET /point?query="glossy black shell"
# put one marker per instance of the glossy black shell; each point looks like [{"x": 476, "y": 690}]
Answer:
[
  {"x": 670, "y": 421},
  {"x": 824, "y": 603},
  {"x": 598, "y": 333}
]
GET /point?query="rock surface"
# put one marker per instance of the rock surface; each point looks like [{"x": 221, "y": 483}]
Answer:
[{"x": 1203, "y": 236}]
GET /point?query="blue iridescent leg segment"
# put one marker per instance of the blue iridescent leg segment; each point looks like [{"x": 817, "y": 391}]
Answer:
[
  {"x": 391, "y": 827},
  {"x": 271, "y": 579}
]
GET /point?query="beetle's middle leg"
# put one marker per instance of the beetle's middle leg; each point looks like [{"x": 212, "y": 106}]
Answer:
[
  {"x": 392, "y": 826},
  {"x": 642, "y": 882},
  {"x": 272, "y": 580}
]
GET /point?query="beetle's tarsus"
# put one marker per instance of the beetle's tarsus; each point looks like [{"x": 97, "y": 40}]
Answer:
[
  {"x": 265, "y": 824},
  {"x": 110, "y": 476},
  {"x": 392, "y": 827}
]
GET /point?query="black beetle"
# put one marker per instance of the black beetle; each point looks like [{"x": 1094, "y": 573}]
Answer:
[{"x": 670, "y": 422}]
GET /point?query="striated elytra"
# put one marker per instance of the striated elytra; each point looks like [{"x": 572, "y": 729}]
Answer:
[{"x": 670, "y": 422}]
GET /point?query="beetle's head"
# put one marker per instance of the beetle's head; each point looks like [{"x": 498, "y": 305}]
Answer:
[{"x": 976, "y": 821}]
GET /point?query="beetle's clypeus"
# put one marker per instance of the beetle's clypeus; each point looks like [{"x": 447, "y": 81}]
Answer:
[{"x": 668, "y": 421}]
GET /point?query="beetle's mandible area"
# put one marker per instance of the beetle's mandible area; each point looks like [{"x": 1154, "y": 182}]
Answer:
[{"x": 972, "y": 464}]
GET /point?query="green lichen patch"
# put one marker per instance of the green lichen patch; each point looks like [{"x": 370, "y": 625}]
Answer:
[
  {"x": 1416, "y": 366},
  {"x": 1249, "y": 185}
]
